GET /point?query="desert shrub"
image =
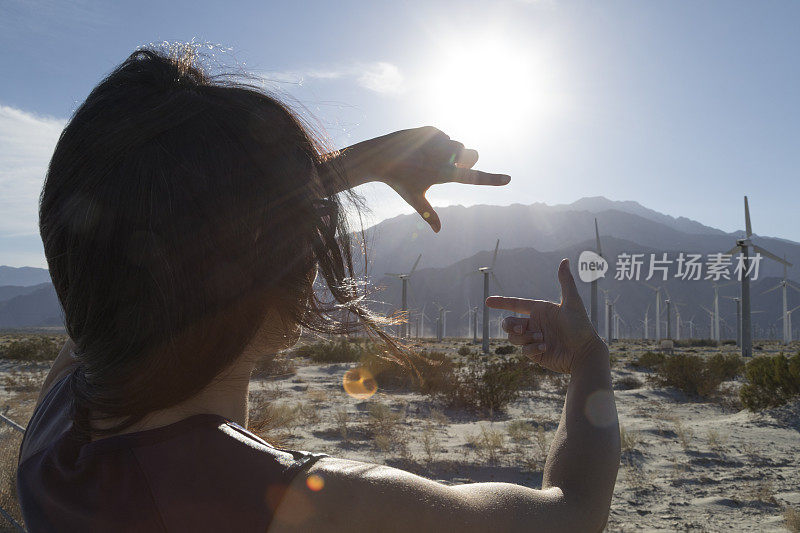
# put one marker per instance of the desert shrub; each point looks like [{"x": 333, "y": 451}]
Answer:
[
  {"x": 464, "y": 350},
  {"x": 273, "y": 365},
  {"x": 488, "y": 444},
  {"x": 23, "y": 381},
  {"x": 432, "y": 374},
  {"x": 274, "y": 422},
  {"x": 792, "y": 517},
  {"x": 487, "y": 386},
  {"x": 627, "y": 383},
  {"x": 649, "y": 360},
  {"x": 725, "y": 366},
  {"x": 707, "y": 343},
  {"x": 688, "y": 373},
  {"x": 729, "y": 342},
  {"x": 770, "y": 381},
  {"x": 339, "y": 351},
  {"x": 38, "y": 348},
  {"x": 9, "y": 448},
  {"x": 506, "y": 349}
]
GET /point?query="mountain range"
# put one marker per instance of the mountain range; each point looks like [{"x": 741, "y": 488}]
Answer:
[{"x": 533, "y": 239}]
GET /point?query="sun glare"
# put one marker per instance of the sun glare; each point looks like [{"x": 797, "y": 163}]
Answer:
[{"x": 485, "y": 90}]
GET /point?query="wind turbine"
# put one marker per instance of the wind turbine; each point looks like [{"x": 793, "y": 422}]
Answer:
[
  {"x": 743, "y": 246},
  {"x": 787, "y": 334},
  {"x": 646, "y": 323},
  {"x": 711, "y": 333},
  {"x": 404, "y": 279},
  {"x": 658, "y": 310},
  {"x": 593, "y": 303},
  {"x": 691, "y": 327},
  {"x": 488, "y": 271},
  {"x": 789, "y": 321},
  {"x": 472, "y": 327},
  {"x": 738, "y": 318}
]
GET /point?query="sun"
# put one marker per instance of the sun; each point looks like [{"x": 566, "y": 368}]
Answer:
[{"x": 487, "y": 89}]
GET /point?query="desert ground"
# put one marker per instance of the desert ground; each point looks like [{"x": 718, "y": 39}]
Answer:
[{"x": 687, "y": 464}]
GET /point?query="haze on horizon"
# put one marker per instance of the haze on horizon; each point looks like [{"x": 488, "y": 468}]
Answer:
[{"x": 682, "y": 107}]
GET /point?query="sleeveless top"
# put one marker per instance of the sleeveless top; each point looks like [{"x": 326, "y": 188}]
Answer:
[{"x": 203, "y": 473}]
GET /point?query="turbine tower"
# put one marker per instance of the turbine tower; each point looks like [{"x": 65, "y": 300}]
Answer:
[
  {"x": 488, "y": 271},
  {"x": 658, "y": 310},
  {"x": 743, "y": 247},
  {"x": 404, "y": 278},
  {"x": 787, "y": 333},
  {"x": 593, "y": 303}
]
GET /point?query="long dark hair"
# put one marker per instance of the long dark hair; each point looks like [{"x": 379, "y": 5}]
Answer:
[{"x": 179, "y": 208}]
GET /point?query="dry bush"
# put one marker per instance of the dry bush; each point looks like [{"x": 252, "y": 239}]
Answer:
[
  {"x": 628, "y": 383},
  {"x": 382, "y": 419},
  {"x": 339, "y": 351},
  {"x": 649, "y": 360},
  {"x": 506, "y": 349},
  {"x": 317, "y": 396},
  {"x": 696, "y": 342},
  {"x": 430, "y": 443},
  {"x": 725, "y": 367},
  {"x": 273, "y": 365},
  {"x": 341, "y": 417},
  {"x": 541, "y": 442},
  {"x": 35, "y": 348},
  {"x": 439, "y": 417},
  {"x": 761, "y": 491},
  {"x": 17, "y": 381},
  {"x": 716, "y": 441},
  {"x": 487, "y": 386},
  {"x": 688, "y": 373},
  {"x": 520, "y": 431},
  {"x": 487, "y": 445},
  {"x": 464, "y": 351},
  {"x": 432, "y": 373},
  {"x": 792, "y": 518},
  {"x": 685, "y": 434},
  {"x": 770, "y": 381},
  {"x": 274, "y": 422},
  {"x": 629, "y": 440},
  {"x": 10, "y": 441}
]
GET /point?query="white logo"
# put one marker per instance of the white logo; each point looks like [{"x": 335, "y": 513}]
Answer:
[{"x": 591, "y": 266}]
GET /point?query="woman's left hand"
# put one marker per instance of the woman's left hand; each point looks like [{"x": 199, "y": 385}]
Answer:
[{"x": 410, "y": 161}]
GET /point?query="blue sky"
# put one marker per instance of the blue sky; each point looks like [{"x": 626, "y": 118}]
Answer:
[{"x": 681, "y": 106}]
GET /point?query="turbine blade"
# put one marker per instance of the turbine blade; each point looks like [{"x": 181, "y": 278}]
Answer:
[
  {"x": 769, "y": 254},
  {"x": 415, "y": 265},
  {"x": 736, "y": 249},
  {"x": 392, "y": 274},
  {"x": 494, "y": 258},
  {"x": 494, "y": 278},
  {"x": 747, "y": 225},
  {"x": 597, "y": 238},
  {"x": 776, "y": 287},
  {"x": 792, "y": 285}
]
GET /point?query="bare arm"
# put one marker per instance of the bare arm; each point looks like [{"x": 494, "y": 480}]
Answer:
[
  {"x": 410, "y": 162},
  {"x": 579, "y": 474}
]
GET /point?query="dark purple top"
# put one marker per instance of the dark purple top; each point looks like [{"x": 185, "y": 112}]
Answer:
[{"x": 203, "y": 473}]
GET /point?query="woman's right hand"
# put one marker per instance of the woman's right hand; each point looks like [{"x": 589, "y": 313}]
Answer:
[{"x": 557, "y": 336}]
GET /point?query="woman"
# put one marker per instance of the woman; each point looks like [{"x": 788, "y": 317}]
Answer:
[{"x": 185, "y": 219}]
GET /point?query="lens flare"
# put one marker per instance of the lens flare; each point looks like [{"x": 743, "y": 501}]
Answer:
[
  {"x": 315, "y": 482},
  {"x": 359, "y": 383}
]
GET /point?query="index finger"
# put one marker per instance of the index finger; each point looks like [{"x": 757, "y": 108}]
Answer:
[
  {"x": 507, "y": 303},
  {"x": 474, "y": 177}
]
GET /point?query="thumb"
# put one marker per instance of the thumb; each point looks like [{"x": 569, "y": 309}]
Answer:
[{"x": 569, "y": 291}]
